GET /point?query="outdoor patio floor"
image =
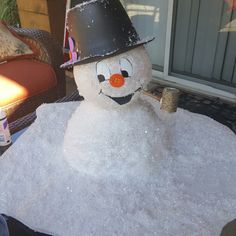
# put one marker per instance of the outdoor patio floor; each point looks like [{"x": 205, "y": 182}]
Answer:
[{"x": 215, "y": 108}]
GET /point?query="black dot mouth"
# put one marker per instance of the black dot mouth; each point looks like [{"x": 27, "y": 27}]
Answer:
[{"x": 122, "y": 100}]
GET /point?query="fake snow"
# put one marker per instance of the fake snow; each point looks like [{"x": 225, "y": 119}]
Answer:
[
  {"x": 144, "y": 172},
  {"x": 82, "y": 5}
]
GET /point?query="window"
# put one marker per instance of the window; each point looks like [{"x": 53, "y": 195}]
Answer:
[
  {"x": 150, "y": 19},
  {"x": 204, "y": 41}
]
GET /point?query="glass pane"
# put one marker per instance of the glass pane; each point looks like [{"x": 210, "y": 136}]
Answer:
[
  {"x": 204, "y": 40},
  {"x": 150, "y": 19}
]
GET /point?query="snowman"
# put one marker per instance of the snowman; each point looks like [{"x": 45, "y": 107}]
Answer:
[
  {"x": 114, "y": 131},
  {"x": 115, "y": 164}
]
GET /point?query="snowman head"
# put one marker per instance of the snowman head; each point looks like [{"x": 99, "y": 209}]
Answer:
[{"x": 114, "y": 81}]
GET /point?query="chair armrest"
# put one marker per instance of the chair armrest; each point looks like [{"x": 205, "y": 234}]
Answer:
[
  {"x": 27, "y": 120},
  {"x": 49, "y": 50}
]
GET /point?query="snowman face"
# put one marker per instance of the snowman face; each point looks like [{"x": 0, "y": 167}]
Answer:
[{"x": 114, "y": 81}]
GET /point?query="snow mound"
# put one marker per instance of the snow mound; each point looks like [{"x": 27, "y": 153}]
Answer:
[
  {"x": 114, "y": 142},
  {"x": 61, "y": 177}
]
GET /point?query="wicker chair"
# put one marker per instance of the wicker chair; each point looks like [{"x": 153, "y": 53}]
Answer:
[{"x": 50, "y": 52}]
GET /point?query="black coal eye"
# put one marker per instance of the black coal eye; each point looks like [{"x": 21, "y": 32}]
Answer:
[
  {"x": 125, "y": 73},
  {"x": 101, "y": 78}
]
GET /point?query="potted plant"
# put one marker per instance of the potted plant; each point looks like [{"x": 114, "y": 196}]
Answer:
[{"x": 9, "y": 12}]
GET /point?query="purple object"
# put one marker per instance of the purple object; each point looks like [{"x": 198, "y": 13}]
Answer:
[
  {"x": 5, "y": 123},
  {"x": 73, "y": 53}
]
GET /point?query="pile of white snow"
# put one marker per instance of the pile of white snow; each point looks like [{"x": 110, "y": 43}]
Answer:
[{"x": 81, "y": 174}]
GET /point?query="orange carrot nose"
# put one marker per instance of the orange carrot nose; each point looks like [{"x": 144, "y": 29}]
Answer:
[{"x": 117, "y": 80}]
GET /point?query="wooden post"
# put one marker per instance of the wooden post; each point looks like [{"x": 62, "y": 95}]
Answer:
[
  {"x": 170, "y": 99},
  {"x": 46, "y": 15}
]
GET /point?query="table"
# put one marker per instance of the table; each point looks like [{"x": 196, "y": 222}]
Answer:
[{"x": 18, "y": 127}]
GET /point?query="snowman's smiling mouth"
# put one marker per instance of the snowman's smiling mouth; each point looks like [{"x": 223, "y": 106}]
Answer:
[{"x": 122, "y": 100}]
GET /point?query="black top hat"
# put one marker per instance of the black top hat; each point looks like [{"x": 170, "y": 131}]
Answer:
[{"x": 99, "y": 28}]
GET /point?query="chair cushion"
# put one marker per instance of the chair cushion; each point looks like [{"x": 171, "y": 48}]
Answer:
[
  {"x": 12, "y": 45},
  {"x": 21, "y": 79}
]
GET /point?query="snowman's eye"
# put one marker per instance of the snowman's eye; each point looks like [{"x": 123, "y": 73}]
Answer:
[
  {"x": 125, "y": 73},
  {"x": 101, "y": 78},
  {"x": 103, "y": 72},
  {"x": 126, "y": 67}
]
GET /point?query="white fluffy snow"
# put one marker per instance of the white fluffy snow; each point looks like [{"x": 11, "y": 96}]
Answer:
[{"x": 184, "y": 185}]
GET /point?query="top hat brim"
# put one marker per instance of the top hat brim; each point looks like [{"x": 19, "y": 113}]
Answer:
[{"x": 85, "y": 60}]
